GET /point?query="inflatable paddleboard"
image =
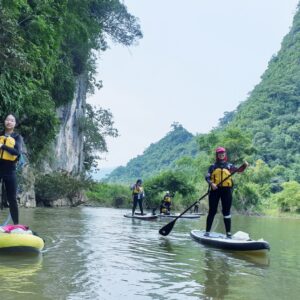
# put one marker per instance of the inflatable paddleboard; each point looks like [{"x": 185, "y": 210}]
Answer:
[
  {"x": 239, "y": 241},
  {"x": 18, "y": 238},
  {"x": 141, "y": 217},
  {"x": 185, "y": 216}
]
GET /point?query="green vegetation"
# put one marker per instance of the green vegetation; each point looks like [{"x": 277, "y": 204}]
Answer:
[
  {"x": 176, "y": 183},
  {"x": 96, "y": 126},
  {"x": 158, "y": 156},
  {"x": 110, "y": 195},
  {"x": 45, "y": 45},
  {"x": 264, "y": 130},
  {"x": 56, "y": 186},
  {"x": 117, "y": 195}
]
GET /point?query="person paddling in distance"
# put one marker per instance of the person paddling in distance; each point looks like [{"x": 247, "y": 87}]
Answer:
[
  {"x": 221, "y": 188},
  {"x": 10, "y": 150},
  {"x": 138, "y": 195},
  {"x": 166, "y": 203}
]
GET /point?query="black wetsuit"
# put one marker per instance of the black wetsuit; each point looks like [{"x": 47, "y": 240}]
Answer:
[
  {"x": 137, "y": 196},
  {"x": 224, "y": 193},
  {"x": 8, "y": 175}
]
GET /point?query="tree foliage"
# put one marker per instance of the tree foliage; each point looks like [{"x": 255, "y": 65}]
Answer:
[
  {"x": 158, "y": 156},
  {"x": 44, "y": 46},
  {"x": 289, "y": 198},
  {"x": 110, "y": 194},
  {"x": 174, "y": 182},
  {"x": 264, "y": 130},
  {"x": 96, "y": 126}
]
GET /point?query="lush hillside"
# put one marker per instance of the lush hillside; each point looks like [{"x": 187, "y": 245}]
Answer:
[
  {"x": 271, "y": 114},
  {"x": 44, "y": 47},
  {"x": 158, "y": 156},
  {"x": 264, "y": 129}
]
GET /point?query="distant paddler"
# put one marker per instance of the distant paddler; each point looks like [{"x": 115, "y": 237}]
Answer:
[
  {"x": 166, "y": 204},
  {"x": 138, "y": 195}
]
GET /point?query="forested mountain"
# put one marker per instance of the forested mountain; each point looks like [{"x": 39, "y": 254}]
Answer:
[
  {"x": 264, "y": 129},
  {"x": 271, "y": 114},
  {"x": 158, "y": 156}
]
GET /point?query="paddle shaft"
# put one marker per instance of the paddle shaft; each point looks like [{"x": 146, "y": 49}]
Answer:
[{"x": 167, "y": 228}]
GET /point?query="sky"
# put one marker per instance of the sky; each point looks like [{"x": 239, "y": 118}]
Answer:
[{"x": 197, "y": 60}]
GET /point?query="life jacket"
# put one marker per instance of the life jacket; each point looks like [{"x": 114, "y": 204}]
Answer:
[
  {"x": 219, "y": 174},
  {"x": 137, "y": 189},
  {"x": 167, "y": 199},
  {"x": 10, "y": 142}
]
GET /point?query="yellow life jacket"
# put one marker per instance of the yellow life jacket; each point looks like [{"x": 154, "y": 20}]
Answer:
[
  {"x": 220, "y": 174},
  {"x": 167, "y": 199},
  {"x": 9, "y": 142},
  {"x": 137, "y": 190}
]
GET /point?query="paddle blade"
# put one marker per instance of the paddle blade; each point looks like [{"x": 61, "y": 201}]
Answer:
[{"x": 167, "y": 228}]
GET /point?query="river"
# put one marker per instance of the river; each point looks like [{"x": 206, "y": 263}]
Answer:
[{"x": 96, "y": 253}]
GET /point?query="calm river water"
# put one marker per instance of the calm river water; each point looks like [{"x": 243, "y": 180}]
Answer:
[{"x": 96, "y": 253}]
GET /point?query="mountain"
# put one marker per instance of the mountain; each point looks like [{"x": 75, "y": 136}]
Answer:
[
  {"x": 271, "y": 114},
  {"x": 100, "y": 174},
  {"x": 158, "y": 156}
]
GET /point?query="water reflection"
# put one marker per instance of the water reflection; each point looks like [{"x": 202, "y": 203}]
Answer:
[
  {"x": 217, "y": 275},
  {"x": 98, "y": 254},
  {"x": 219, "y": 271},
  {"x": 166, "y": 245},
  {"x": 17, "y": 272},
  {"x": 256, "y": 260}
]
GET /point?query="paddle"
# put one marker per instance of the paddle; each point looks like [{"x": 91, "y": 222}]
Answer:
[{"x": 168, "y": 228}]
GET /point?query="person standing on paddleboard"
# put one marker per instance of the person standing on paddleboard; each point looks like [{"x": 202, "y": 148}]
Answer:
[
  {"x": 221, "y": 189},
  {"x": 137, "y": 196},
  {"x": 10, "y": 150}
]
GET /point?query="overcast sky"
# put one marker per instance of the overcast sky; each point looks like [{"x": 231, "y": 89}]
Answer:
[{"x": 198, "y": 59}]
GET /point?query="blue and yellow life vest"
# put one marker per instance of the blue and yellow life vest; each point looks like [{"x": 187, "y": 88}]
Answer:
[
  {"x": 10, "y": 142},
  {"x": 167, "y": 199},
  {"x": 137, "y": 190},
  {"x": 219, "y": 174}
]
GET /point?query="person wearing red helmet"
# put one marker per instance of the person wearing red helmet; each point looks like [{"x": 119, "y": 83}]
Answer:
[{"x": 220, "y": 189}]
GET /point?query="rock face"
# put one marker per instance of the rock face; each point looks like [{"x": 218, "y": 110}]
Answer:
[
  {"x": 26, "y": 194},
  {"x": 67, "y": 152},
  {"x": 68, "y": 147}
]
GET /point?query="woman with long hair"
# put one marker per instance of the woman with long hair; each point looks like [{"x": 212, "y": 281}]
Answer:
[{"x": 10, "y": 150}]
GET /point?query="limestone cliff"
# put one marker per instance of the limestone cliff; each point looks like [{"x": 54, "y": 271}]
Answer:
[
  {"x": 67, "y": 154},
  {"x": 67, "y": 151}
]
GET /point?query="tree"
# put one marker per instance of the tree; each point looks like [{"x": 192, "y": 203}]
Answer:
[
  {"x": 289, "y": 198},
  {"x": 174, "y": 182},
  {"x": 44, "y": 46},
  {"x": 96, "y": 126}
]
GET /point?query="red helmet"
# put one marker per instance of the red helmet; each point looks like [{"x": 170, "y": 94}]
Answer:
[{"x": 221, "y": 150}]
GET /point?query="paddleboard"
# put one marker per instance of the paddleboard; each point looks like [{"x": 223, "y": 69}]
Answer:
[
  {"x": 236, "y": 243},
  {"x": 185, "y": 216},
  {"x": 141, "y": 217},
  {"x": 14, "y": 242}
]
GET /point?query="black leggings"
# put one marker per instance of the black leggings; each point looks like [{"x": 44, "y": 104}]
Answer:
[
  {"x": 10, "y": 183},
  {"x": 135, "y": 202},
  {"x": 225, "y": 194}
]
